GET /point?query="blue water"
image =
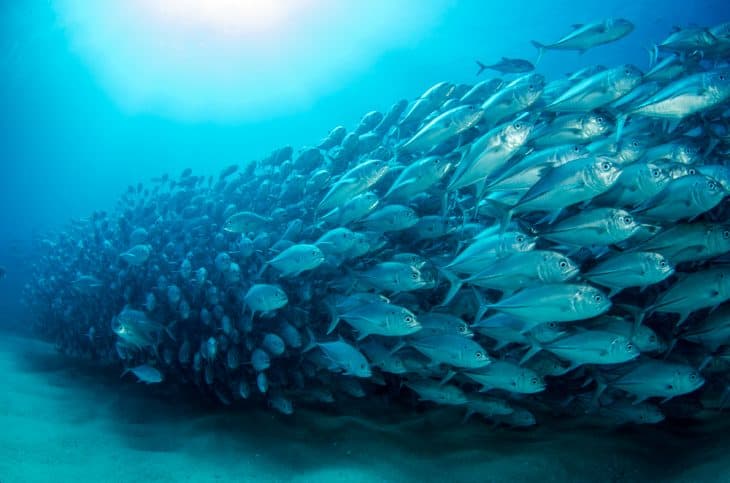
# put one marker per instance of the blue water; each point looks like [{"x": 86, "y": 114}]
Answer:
[
  {"x": 71, "y": 142},
  {"x": 94, "y": 99}
]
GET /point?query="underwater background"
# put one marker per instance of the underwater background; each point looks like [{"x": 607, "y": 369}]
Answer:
[{"x": 98, "y": 96}]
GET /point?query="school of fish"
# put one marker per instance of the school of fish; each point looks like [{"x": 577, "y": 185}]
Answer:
[{"x": 519, "y": 249}]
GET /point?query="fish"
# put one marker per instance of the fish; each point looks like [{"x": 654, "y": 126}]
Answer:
[
  {"x": 136, "y": 330},
  {"x": 593, "y": 347},
  {"x": 137, "y": 255},
  {"x": 454, "y": 350},
  {"x": 342, "y": 357},
  {"x": 653, "y": 378},
  {"x": 522, "y": 269},
  {"x": 694, "y": 291},
  {"x": 245, "y": 222},
  {"x": 508, "y": 66},
  {"x": 512, "y": 98},
  {"x": 489, "y": 154},
  {"x": 442, "y": 128},
  {"x": 507, "y": 377},
  {"x": 265, "y": 298},
  {"x": 297, "y": 259},
  {"x": 377, "y": 316},
  {"x": 598, "y": 90},
  {"x": 145, "y": 373},
  {"x": 418, "y": 177},
  {"x": 559, "y": 241},
  {"x": 590, "y": 35},
  {"x": 630, "y": 269},
  {"x": 558, "y": 302},
  {"x": 429, "y": 390}
]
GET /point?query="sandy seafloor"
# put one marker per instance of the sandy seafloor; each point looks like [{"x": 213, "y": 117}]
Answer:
[{"x": 63, "y": 420}]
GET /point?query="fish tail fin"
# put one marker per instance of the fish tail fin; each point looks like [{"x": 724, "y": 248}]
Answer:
[
  {"x": 601, "y": 387},
  {"x": 534, "y": 348},
  {"x": 531, "y": 352},
  {"x": 672, "y": 343},
  {"x": 401, "y": 344},
  {"x": 449, "y": 375},
  {"x": 620, "y": 123},
  {"x": 455, "y": 284},
  {"x": 653, "y": 51},
  {"x": 168, "y": 329},
  {"x": 334, "y": 318},
  {"x": 481, "y": 67},
  {"x": 501, "y": 211},
  {"x": 483, "y": 305},
  {"x": 312, "y": 341},
  {"x": 540, "y": 50},
  {"x": 262, "y": 270}
]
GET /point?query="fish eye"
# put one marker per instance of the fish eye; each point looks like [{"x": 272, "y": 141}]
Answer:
[
  {"x": 627, "y": 220},
  {"x": 436, "y": 161},
  {"x": 692, "y": 171},
  {"x": 553, "y": 325},
  {"x": 726, "y": 234},
  {"x": 479, "y": 354},
  {"x": 655, "y": 173},
  {"x": 517, "y": 125},
  {"x": 629, "y": 347},
  {"x": 520, "y": 238},
  {"x": 599, "y": 119},
  {"x": 414, "y": 276},
  {"x": 531, "y": 87},
  {"x": 635, "y": 143},
  {"x": 652, "y": 338},
  {"x": 409, "y": 318},
  {"x": 711, "y": 185},
  {"x": 693, "y": 377},
  {"x": 597, "y": 298},
  {"x": 662, "y": 264},
  {"x": 534, "y": 381},
  {"x": 606, "y": 166},
  {"x": 563, "y": 264}
]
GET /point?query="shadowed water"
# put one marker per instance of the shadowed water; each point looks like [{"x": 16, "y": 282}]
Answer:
[{"x": 75, "y": 422}]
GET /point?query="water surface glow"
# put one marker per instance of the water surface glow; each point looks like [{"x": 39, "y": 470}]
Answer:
[{"x": 229, "y": 60}]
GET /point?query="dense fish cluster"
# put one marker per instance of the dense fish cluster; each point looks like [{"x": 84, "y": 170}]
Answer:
[{"x": 517, "y": 248}]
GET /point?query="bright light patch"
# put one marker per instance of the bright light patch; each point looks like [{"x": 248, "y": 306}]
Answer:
[
  {"x": 227, "y": 17},
  {"x": 236, "y": 59}
]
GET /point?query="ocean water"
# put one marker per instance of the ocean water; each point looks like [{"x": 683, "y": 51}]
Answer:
[{"x": 100, "y": 96}]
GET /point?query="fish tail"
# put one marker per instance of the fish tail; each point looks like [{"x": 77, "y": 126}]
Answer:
[
  {"x": 455, "y": 284},
  {"x": 620, "y": 123},
  {"x": 401, "y": 344},
  {"x": 540, "y": 50},
  {"x": 483, "y": 305},
  {"x": 312, "y": 341},
  {"x": 263, "y": 269},
  {"x": 334, "y": 318},
  {"x": 481, "y": 67}
]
